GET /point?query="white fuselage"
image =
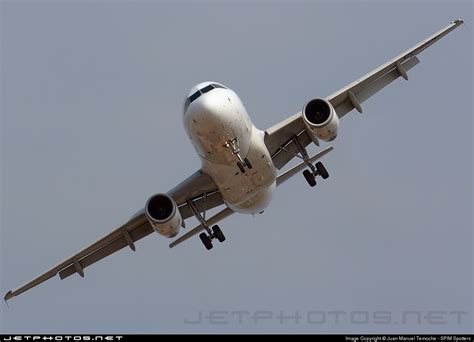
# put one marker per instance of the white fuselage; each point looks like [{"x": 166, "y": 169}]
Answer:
[{"x": 214, "y": 118}]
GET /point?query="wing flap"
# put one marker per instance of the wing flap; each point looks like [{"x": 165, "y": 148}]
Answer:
[
  {"x": 212, "y": 200},
  {"x": 211, "y": 221},
  {"x": 296, "y": 169},
  {"x": 392, "y": 65},
  {"x": 361, "y": 89},
  {"x": 193, "y": 186},
  {"x": 136, "y": 234},
  {"x": 137, "y": 221},
  {"x": 281, "y": 158},
  {"x": 281, "y": 133},
  {"x": 138, "y": 230},
  {"x": 133, "y": 230},
  {"x": 365, "y": 91}
]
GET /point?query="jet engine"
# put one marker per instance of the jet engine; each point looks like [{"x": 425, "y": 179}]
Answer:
[
  {"x": 163, "y": 214},
  {"x": 321, "y": 119}
]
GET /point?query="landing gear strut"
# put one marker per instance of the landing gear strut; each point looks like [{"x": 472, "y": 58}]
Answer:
[
  {"x": 210, "y": 234},
  {"x": 233, "y": 145},
  {"x": 314, "y": 170}
]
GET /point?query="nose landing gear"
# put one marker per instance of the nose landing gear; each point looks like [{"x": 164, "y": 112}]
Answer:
[
  {"x": 233, "y": 145},
  {"x": 242, "y": 164}
]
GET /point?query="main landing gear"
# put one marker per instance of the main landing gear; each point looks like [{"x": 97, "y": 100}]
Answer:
[
  {"x": 206, "y": 239},
  {"x": 317, "y": 169},
  {"x": 233, "y": 145},
  {"x": 210, "y": 234},
  {"x": 314, "y": 170}
]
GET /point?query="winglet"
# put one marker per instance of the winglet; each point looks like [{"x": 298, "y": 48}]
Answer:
[
  {"x": 8, "y": 296},
  {"x": 458, "y": 21}
]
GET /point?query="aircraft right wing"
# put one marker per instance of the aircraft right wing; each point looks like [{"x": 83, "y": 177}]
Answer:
[
  {"x": 199, "y": 188},
  {"x": 135, "y": 229}
]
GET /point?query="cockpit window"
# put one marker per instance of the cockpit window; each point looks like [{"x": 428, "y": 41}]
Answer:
[
  {"x": 207, "y": 89},
  {"x": 199, "y": 92},
  {"x": 194, "y": 96}
]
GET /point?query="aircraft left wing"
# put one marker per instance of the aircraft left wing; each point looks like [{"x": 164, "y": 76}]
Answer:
[
  {"x": 348, "y": 98},
  {"x": 193, "y": 188}
]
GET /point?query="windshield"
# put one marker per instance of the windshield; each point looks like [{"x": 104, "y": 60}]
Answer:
[{"x": 200, "y": 92}]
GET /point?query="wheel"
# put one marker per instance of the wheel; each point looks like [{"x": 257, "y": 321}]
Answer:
[
  {"x": 241, "y": 167},
  {"x": 206, "y": 241},
  {"x": 218, "y": 233},
  {"x": 309, "y": 178},
  {"x": 247, "y": 162},
  {"x": 322, "y": 170}
]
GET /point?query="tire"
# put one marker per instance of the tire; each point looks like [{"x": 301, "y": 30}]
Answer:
[
  {"x": 309, "y": 178},
  {"x": 322, "y": 170},
  {"x": 247, "y": 162},
  {"x": 206, "y": 241},
  {"x": 241, "y": 167},
  {"x": 218, "y": 233}
]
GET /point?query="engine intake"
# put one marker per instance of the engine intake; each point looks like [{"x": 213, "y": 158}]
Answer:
[
  {"x": 321, "y": 119},
  {"x": 163, "y": 214}
]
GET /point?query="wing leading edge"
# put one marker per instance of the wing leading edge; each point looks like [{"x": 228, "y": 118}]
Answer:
[
  {"x": 135, "y": 229},
  {"x": 193, "y": 188},
  {"x": 350, "y": 97}
]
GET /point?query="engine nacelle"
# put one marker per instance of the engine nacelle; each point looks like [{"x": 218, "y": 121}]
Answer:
[
  {"x": 321, "y": 119},
  {"x": 163, "y": 214}
]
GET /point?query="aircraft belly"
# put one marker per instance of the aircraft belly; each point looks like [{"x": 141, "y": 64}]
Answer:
[{"x": 248, "y": 192}]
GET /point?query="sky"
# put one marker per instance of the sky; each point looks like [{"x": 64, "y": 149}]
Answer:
[{"x": 91, "y": 126}]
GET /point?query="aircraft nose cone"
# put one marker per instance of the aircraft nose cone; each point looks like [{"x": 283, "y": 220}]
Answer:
[{"x": 206, "y": 104}]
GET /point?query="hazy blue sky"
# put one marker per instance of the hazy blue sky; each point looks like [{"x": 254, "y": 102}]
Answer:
[{"x": 91, "y": 126}]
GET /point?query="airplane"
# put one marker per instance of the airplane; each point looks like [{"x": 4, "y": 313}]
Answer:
[{"x": 240, "y": 164}]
